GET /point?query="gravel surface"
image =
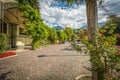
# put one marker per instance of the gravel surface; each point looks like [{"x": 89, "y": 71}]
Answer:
[{"x": 54, "y": 62}]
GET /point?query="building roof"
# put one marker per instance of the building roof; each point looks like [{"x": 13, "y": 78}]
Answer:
[
  {"x": 14, "y": 15},
  {"x": 8, "y": 1},
  {"x": 11, "y": 13}
]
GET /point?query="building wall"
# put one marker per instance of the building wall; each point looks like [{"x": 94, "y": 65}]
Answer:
[
  {"x": 14, "y": 35},
  {"x": 10, "y": 31},
  {"x": 21, "y": 36},
  {"x": 14, "y": 26}
]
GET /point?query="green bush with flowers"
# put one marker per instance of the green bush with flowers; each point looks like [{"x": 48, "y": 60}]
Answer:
[{"x": 105, "y": 55}]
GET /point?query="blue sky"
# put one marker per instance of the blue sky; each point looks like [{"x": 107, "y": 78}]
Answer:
[{"x": 60, "y": 14}]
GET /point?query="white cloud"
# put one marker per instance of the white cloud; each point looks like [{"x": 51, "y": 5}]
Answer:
[{"x": 73, "y": 17}]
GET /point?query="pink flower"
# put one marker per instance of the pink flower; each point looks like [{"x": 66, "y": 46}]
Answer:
[{"x": 119, "y": 36}]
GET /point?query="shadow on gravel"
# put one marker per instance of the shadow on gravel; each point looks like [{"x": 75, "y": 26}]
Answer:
[
  {"x": 69, "y": 49},
  {"x": 3, "y": 75},
  {"x": 62, "y": 55}
]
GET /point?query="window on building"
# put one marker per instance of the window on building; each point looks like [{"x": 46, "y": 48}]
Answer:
[{"x": 3, "y": 27}]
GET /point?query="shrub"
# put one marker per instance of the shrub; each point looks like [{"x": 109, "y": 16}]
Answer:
[{"x": 2, "y": 43}]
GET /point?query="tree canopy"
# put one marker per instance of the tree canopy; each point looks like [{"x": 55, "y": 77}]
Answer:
[{"x": 69, "y": 32}]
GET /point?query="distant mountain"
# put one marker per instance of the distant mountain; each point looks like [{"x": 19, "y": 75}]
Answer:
[
  {"x": 101, "y": 24},
  {"x": 58, "y": 28}
]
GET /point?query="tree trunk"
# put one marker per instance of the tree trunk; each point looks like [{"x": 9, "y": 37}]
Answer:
[
  {"x": 92, "y": 24},
  {"x": 92, "y": 19}
]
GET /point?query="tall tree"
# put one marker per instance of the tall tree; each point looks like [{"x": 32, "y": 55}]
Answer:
[{"x": 92, "y": 24}]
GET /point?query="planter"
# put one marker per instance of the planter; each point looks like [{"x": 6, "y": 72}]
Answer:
[{"x": 6, "y": 54}]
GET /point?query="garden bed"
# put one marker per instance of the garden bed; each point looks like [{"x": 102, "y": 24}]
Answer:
[{"x": 6, "y": 54}]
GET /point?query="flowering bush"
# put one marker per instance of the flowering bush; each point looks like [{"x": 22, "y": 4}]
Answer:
[
  {"x": 104, "y": 56},
  {"x": 6, "y": 54}
]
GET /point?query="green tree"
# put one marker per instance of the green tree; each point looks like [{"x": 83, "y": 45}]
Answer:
[
  {"x": 33, "y": 3},
  {"x": 114, "y": 19},
  {"x": 81, "y": 34},
  {"x": 52, "y": 35},
  {"x": 112, "y": 27},
  {"x": 69, "y": 32},
  {"x": 92, "y": 24},
  {"x": 61, "y": 36},
  {"x": 37, "y": 32},
  {"x": 34, "y": 26}
]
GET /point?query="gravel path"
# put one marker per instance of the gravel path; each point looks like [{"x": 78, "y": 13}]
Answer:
[{"x": 54, "y": 62}]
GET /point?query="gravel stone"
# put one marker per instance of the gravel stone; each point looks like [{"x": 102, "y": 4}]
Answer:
[{"x": 54, "y": 62}]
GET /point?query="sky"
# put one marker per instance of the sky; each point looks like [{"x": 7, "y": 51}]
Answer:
[{"x": 60, "y": 14}]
